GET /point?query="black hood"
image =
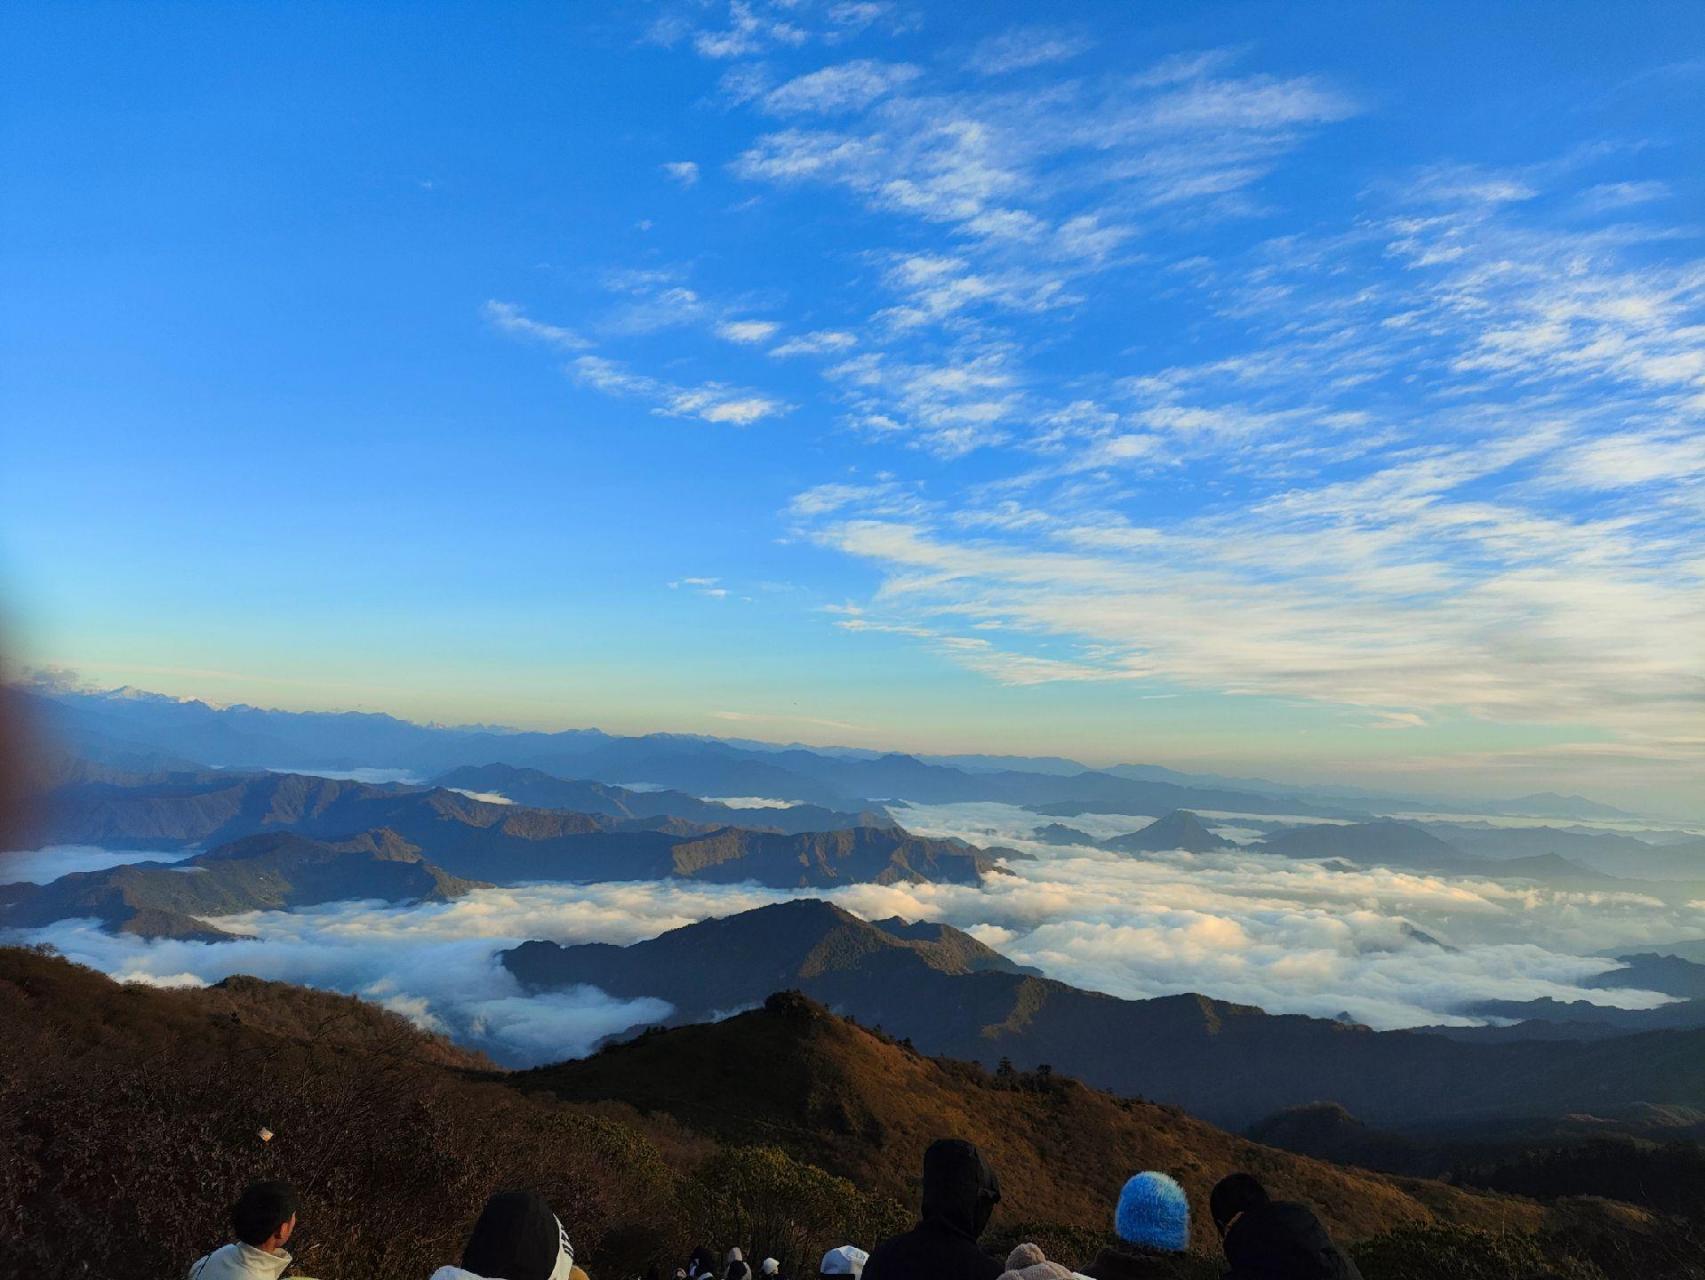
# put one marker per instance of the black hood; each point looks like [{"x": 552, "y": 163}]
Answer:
[
  {"x": 960, "y": 1189},
  {"x": 1285, "y": 1242}
]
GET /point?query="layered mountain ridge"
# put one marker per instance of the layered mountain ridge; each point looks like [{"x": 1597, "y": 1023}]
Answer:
[{"x": 1227, "y": 1062}]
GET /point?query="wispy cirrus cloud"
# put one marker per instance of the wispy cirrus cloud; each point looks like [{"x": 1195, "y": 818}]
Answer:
[
  {"x": 709, "y": 401},
  {"x": 711, "y": 587},
  {"x": 1407, "y": 456},
  {"x": 1517, "y": 543},
  {"x": 849, "y": 86},
  {"x": 747, "y": 332},
  {"x": 752, "y": 28},
  {"x": 509, "y": 318},
  {"x": 821, "y": 342},
  {"x": 1025, "y": 47}
]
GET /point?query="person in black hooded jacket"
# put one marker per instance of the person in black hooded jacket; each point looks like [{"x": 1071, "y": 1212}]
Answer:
[
  {"x": 1274, "y": 1239},
  {"x": 960, "y": 1193}
]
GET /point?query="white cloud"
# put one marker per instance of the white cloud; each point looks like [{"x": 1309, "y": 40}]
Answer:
[
  {"x": 851, "y": 86},
  {"x": 747, "y": 331},
  {"x": 488, "y": 797},
  {"x": 685, "y": 172},
  {"x": 711, "y": 401},
  {"x": 750, "y": 30},
  {"x": 1025, "y": 47},
  {"x": 1613, "y": 196},
  {"x": 819, "y": 342},
  {"x": 509, "y": 318},
  {"x": 711, "y": 587}
]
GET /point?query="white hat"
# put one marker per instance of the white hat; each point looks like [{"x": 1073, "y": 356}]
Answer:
[
  {"x": 848, "y": 1260},
  {"x": 769, "y": 1267}
]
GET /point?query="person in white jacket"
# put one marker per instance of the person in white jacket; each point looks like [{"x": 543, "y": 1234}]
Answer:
[
  {"x": 262, "y": 1220},
  {"x": 517, "y": 1237}
]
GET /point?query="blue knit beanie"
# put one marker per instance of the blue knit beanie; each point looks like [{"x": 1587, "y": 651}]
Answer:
[{"x": 1153, "y": 1212}]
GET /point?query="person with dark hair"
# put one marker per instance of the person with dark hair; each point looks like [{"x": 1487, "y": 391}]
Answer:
[
  {"x": 517, "y": 1237},
  {"x": 1233, "y": 1196},
  {"x": 1267, "y": 1239},
  {"x": 701, "y": 1264},
  {"x": 736, "y": 1267},
  {"x": 960, "y": 1194},
  {"x": 1152, "y": 1221},
  {"x": 262, "y": 1220}
]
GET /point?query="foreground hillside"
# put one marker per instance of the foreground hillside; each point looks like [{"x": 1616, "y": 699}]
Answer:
[
  {"x": 129, "y": 1113},
  {"x": 865, "y": 1107}
]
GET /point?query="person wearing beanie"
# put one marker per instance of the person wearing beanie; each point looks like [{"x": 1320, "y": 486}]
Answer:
[
  {"x": 769, "y": 1267},
  {"x": 262, "y": 1220},
  {"x": 1267, "y": 1239},
  {"x": 960, "y": 1193},
  {"x": 517, "y": 1237},
  {"x": 1152, "y": 1221},
  {"x": 845, "y": 1260},
  {"x": 1028, "y": 1262}
]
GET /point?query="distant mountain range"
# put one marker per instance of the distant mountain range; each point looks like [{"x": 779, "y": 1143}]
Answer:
[
  {"x": 1230, "y": 1063},
  {"x": 1607, "y": 852},
  {"x": 1675, "y": 871},
  {"x": 1550, "y": 1019},
  {"x": 1179, "y": 829},
  {"x": 540, "y": 790},
  {"x": 457, "y": 835},
  {"x": 265, "y": 872},
  {"x": 1387, "y": 843},
  {"x": 147, "y": 731}
]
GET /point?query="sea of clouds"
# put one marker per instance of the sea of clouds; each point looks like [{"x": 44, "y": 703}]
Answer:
[{"x": 1285, "y": 934}]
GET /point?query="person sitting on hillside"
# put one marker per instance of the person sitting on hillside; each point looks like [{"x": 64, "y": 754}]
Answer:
[
  {"x": 1267, "y": 1239},
  {"x": 262, "y": 1220},
  {"x": 960, "y": 1193},
  {"x": 735, "y": 1264},
  {"x": 701, "y": 1264},
  {"x": 1028, "y": 1262},
  {"x": 1152, "y": 1221},
  {"x": 844, "y": 1260},
  {"x": 517, "y": 1237},
  {"x": 769, "y": 1267}
]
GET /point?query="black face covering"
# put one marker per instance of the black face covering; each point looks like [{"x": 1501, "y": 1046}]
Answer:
[
  {"x": 1280, "y": 1239},
  {"x": 960, "y": 1189}
]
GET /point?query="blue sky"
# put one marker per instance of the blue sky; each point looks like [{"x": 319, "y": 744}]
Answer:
[{"x": 1316, "y": 389}]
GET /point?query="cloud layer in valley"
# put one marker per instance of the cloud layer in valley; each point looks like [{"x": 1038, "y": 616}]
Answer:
[{"x": 1289, "y": 936}]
